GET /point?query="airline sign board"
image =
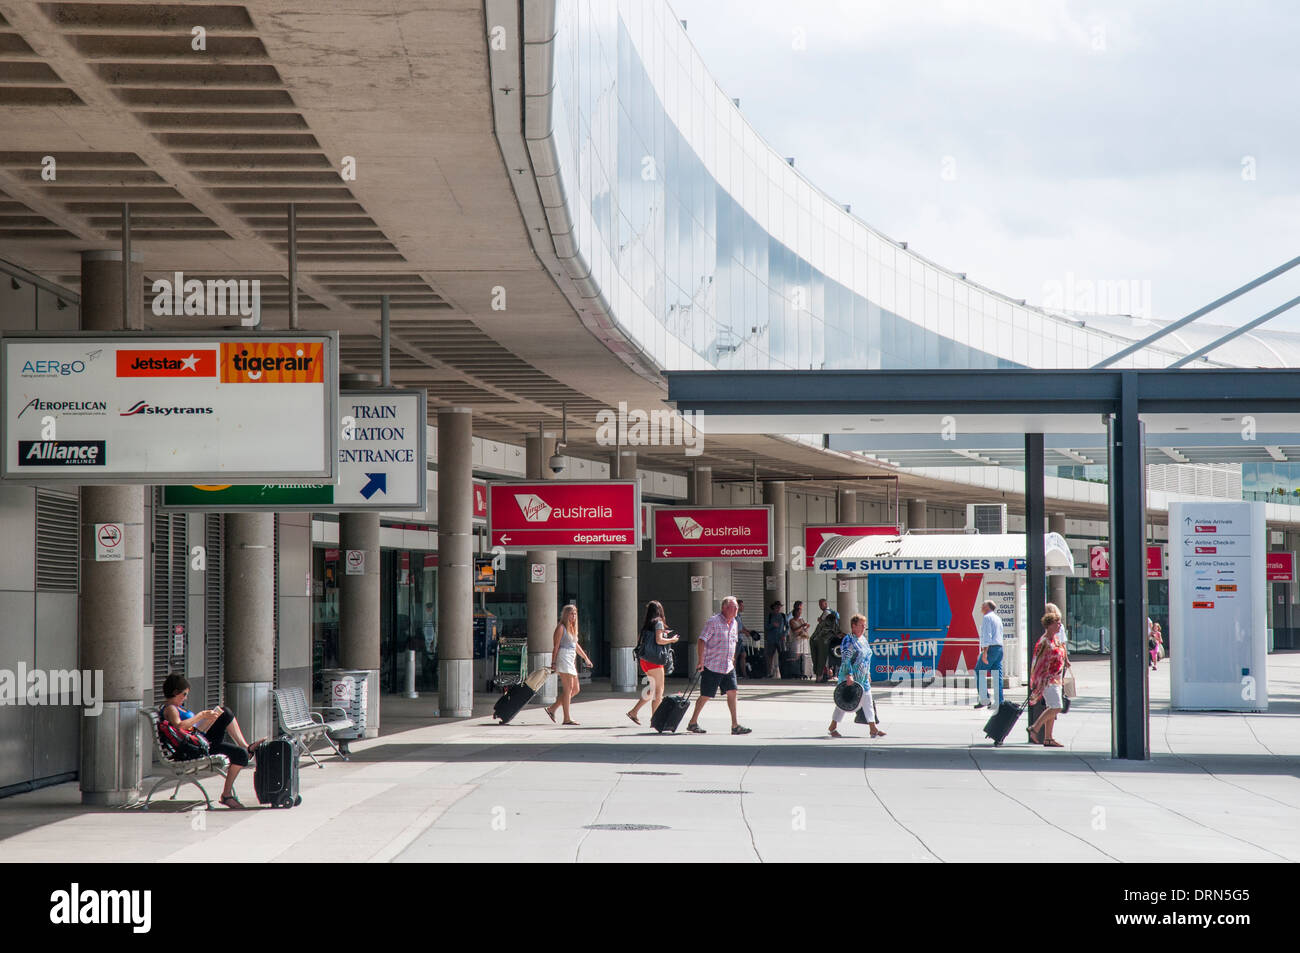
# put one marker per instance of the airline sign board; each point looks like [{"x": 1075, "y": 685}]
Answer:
[
  {"x": 154, "y": 407},
  {"x": 555, "y": 514},
  {"x": 724, "y": 533},
  {"x": 816, "y": 534},
  {"x": 381, "y": 454},
  {"x": 1099, "y": 562},
  {"x": 1280, "y": 567}
]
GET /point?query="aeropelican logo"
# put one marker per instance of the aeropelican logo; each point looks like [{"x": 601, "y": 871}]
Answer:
[{"x": 70, "y": 407}]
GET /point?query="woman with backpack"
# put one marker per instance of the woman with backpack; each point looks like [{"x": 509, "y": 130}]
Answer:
[
  {"x": 654, "y": 651},
  {"x": 177, "y": 726}
]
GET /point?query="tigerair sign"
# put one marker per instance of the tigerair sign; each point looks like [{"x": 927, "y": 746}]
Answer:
[
  {"x": 202, "y": 408},
  {"x": 722, "y": 533},
  {"x": 565, "y": 514}
]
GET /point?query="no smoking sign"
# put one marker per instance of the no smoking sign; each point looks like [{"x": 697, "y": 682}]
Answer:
[{"x": 109, "y": 542}]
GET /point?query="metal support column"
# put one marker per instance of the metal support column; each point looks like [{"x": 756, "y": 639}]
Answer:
[
  {"x": 1128, "y": 584},
  {"x": 1035, "y": 552}
]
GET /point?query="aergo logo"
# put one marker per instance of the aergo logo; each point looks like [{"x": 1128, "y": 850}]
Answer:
[
  {"x": 688, "y": 527},
  {"x": 51, "y": 368},
  {"x": 534, "y": 508}
]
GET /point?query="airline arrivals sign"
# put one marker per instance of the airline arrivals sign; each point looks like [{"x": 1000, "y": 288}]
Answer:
[
  {"x": 562, "y": 514},
  {"x": 727, "y": 533},
  {"x": 153, "y": 407}
]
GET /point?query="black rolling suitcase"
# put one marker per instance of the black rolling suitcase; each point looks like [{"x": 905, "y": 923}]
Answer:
[
  {"x": 513, "y": 701},
  {"x": 1002, "y": 721},
  {"x": 275, "y": 778},
  {"x": 668, "y": 716}
]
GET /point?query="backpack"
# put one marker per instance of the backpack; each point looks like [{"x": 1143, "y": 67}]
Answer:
[{"x": 181, "y": 744}]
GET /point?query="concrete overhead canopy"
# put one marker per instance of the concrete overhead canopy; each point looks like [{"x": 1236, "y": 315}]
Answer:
[{"x": 1004, "y": 551}]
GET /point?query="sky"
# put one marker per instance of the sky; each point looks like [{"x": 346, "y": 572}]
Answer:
[{"x": 1039, "y": 145}]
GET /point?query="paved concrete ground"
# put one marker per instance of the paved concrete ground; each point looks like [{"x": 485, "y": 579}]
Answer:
[{"x": 1220, "y": 787}]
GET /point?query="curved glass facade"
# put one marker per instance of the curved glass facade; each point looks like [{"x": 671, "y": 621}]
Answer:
[{"x": 711, "y": 251}]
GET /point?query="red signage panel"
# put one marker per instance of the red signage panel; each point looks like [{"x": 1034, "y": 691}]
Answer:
[
  {"x": 727, "y": 533},
  {"x": 814, "y": 534},
  {"x": 1281, "y": 567},
  {"x": 564, "y": 515},
  {"x": 1099, "y": 562},
  {"x": 480, "y": 500}
]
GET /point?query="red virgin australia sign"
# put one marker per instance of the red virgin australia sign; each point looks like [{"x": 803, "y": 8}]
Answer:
[
  {"x": 565, "y": 515},
  {"x": 739, "y": 533}
]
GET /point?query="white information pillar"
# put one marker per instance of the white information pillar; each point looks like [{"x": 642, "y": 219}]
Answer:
[{"x": 1218, "y": 636}]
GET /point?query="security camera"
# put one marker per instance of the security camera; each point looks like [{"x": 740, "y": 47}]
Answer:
[{"x": 556, "y": 463}]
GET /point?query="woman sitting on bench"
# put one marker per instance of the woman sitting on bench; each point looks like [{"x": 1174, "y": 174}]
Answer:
[{"x": 215, "y": 724}]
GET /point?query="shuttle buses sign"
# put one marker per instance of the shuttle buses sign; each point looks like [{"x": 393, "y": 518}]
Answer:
[
  {"x": 556, "y": 514},
  {"x": 153, "y": 407},
  {"x": 725, "y": 533}
]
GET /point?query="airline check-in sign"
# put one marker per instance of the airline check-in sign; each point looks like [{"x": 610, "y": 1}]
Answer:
[
  {"x": 563, "y": 514},
  {"x": 724, "y": 533},
  {"x": 154, "y": 407},
  {"x": 381, "y": 465}
]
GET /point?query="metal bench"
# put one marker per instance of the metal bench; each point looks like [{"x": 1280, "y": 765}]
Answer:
[
  {"x": 181, "y": 772},
  {"x": 304, "y": 725}
]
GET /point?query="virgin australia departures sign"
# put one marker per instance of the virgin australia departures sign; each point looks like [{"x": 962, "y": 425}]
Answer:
[
  {"x": 381, "y": 455},
  {"x": 146, "y": 407}
]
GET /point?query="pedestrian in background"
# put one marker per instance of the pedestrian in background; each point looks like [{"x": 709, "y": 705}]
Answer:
[
  {"x": 1048, "y": 669},
  {"x": 775, "y": 631},
  {"x": 565, "y": 651},
  {"x": 855, "y": 668},
  {"x": 825, "y": 637},
  {"x": 990, "y": 657},
  {"x": 800, "y": 632},
  {"x": 716, "y": 666},
  {"x": 656, "y": 644}
]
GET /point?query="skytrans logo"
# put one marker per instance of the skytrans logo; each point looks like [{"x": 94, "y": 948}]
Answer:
[
  {"x": 144, "y": 407},
  {"x": 218, "y": 296},
  {"x": 537, "y": 510}
]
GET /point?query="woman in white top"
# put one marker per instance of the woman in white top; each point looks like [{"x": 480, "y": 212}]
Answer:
[{"x": 565, "y": 652}]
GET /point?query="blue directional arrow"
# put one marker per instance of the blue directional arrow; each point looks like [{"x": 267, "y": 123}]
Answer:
[{"x": 378, "y": 482}]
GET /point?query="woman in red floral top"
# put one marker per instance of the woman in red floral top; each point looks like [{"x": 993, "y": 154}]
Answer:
[{"x": 1050, "y": 662}]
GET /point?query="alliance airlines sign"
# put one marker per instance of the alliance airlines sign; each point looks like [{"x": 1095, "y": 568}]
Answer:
[
  {"x": 725, "y": 533},
  {"x": 565, "y": 515},
  {"x": 154, "y": 407}
]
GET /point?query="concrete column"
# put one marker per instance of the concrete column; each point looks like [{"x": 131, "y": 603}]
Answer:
[
  {"x": 846, "y": 603},
  {"x": 250, "y": 621},
  {"x": 112, "y": 634},
  {"x": 543, "y": 600},
  {"x": 774, "y": 571},
  {"x": 1056, "y": 584},
  {"x": 359, "y": 607},
  {"x": 624, "y": 614},
  {"x": 455, "y": 563},
  {"x": 700, "y": 604},
  {"x": 916, "y": 514}
]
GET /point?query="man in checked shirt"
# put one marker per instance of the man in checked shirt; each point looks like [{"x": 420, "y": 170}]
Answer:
[{"x": 717, "y": 664}]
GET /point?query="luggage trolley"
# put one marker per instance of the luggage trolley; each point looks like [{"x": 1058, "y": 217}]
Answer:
[{"x": 511, "y": 663}]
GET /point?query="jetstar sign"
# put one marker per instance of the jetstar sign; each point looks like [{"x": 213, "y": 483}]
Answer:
[
  {"x": 564, "y": 515},
  {"x": 729, "y": 533}
]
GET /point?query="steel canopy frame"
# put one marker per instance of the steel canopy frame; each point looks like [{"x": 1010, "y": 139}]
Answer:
[{"x": 1119, "y": 396}]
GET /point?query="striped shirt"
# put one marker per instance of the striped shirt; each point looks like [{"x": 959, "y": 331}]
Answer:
[{"x": 718, "y": 644}]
